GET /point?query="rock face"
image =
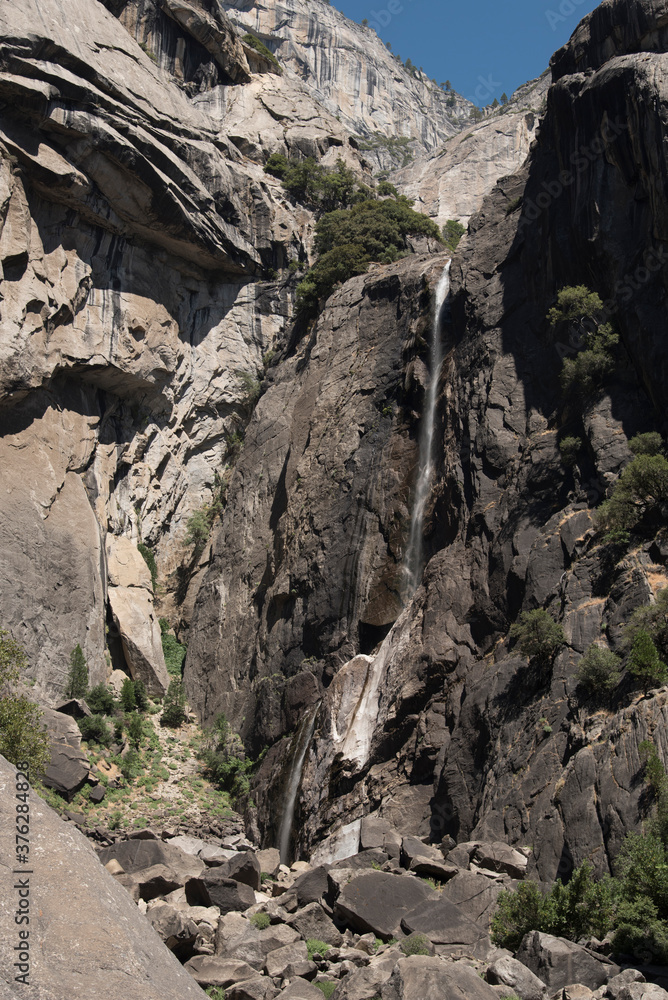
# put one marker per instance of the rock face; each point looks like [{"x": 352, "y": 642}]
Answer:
[
  {"x": 453, "y": 183},
  {"x": 88, "y": 938}
]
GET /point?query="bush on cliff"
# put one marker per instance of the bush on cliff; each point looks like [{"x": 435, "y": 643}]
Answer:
[
  {"x": 639, "y": 494},
  {"x": 348, "y": 240},
  {"x": 537, "y": 634},
  {"x": 582, "y": 311}
]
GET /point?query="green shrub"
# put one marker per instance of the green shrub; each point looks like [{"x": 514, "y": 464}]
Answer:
[
  {"x": 651, "y": 618},
  {"x": 132, "y": 765},
  {"x": 598, "y": 670},
  {"x": 326, "y": 987},
  {"x": 77, "y": 678},
  {"x": 386, "y": 190},
  {"x": 95, "y": 730},
  {"x": 639, "y": 492},
  {"x": 149, "y": 559},
  {"x": 135, "y": 728},
  {"x": 141, "y": 696},
  {"x": 215, "y": 992},
  {"x": 174, "y": 651},
  {"x": 646, "y": 444},
  {"x": 260, "y": 47},
  {"x": 334, "y": 267},
  {"x": 570, "y": 448},
  {"x": 538, "y": 635},
  {"x": 452, "y": 234},
  {"x": 416, "y": 944},
  {"x": 173, "y": 712},
  {"x": 260, "y": 920},
  {"x": 516, "y": 914},
  {"x": 100, "y": 700},
  {"x": 251, "y": 388},
  {"x": 127, "y": 699},
  {"x": 198, "y": 529},
  {"x": 644, "y": 662},
  {"x": 585, "y": 373},
  {"x": 316, "y": 947}
]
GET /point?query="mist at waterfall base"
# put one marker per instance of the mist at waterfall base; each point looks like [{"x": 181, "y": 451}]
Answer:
[
  {"x": 298, "y": 750},
  {"x": 414, "y": 558}
]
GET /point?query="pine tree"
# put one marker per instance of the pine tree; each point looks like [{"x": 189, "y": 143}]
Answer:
[
  {"x": 77, "y": 678},
  {"x": 173, "y": 712},
  {"x": 128, "y": 699},
  {"x": 644, "y": 662}
]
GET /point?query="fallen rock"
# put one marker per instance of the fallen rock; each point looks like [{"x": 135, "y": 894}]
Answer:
[
  {"x": 214, "y": 888},
  {"x": 475, "y": 895},
  {"x": 289, "y": 961},
  {"x": 412, "y": 848},
  {"x": 97, "y": 794},
  {"x": 313, "y": 922},
  {"x": 377, "y": 902},
  {"x": 642, "y": 991},
  {"x": 499, "y": 857},
  {"x": 625, "y": 978},
  {"x": 312, "y": 886},
  {"x": 156, "y": 881},
  {"x": 252, "y": 989},
  {"x": 132, "y": 610},
  {"x": 560, "y": 963},
  {"x": 376, "y": 832},
  {"x": 420, "y": 977},
  {"x": 135, "y": 855},
  {"x": 237, "y": 938},
  {"x": 175, "y": 927},
  {"x": 67, "y": 771},
  {"x": 301, "y": 989},
  {"x": 269, "y": 860},
  {"x": 245, "y": 868},
  {"x": 519, "y": 980},
  {"x": 93, "y": 941},
  {"x": 443, "y": 923},
  {"x": 210, "y": 970}
]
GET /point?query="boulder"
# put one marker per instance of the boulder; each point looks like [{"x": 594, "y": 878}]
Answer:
[
  {"x": 313, "y": 922},
  {"x": 252, "y": 989},
  {"x": 412, "y": 848},
  {"x": 560, "y": 963},
  {"x": 126, "y": 567},
  {"x": 76, "y": 708},
  {"x": 237, "y": 938},
  {"x": 174, "y": 926},
  {"x": 365, "y": 859},
  {"x": 214, "y": 857},
  {"x": 617, "y": 983},
  {"x": 211, "y": 970},
  {"x": 420, "y": 977},
  {"x": 269, "y": 860},
  {"x": 134, "y": 617},
  {"x": 443, "y": 923},
  {"x": 213, "y": 888},
  {"x": 156, "y": 881},
  {"x": 136, "y": 855},
  {"x": 300, "y": 989},
  {"x": 312, "y": 886},
  {"x": 289, "y": 961},
  {"x": 90, "y": 938},
  {"x": 428, "y": 868},
  {"x": 68, "y": 770},
  {"x": 642, "y": 991},
  {"x": 361, "y": 984},
  {"x": 97, "y": 794},
  {"x": 245, "y": 868},
  {"x": 499, "y": 857},
  {"x": 475, "y": 895},
  {"x": 189, "y": 845},
  {"x": 376, "y": 832},
  {"x": 377, "y": 901},
  {"x": 521, "y": 981}
]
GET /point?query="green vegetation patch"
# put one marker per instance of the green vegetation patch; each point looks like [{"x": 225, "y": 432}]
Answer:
[{"x": 255, "y": 43}]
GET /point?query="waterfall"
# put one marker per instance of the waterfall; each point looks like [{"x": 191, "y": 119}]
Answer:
[
  {"x": 413, "y": 563},
  {"x": 298, "y": 748}
]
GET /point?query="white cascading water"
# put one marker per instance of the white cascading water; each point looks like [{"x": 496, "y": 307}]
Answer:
[
  {"x": 298, "y": 750},
  {"x": 413, "y": 563}
]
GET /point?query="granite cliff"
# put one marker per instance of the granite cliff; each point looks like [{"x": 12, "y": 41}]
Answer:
[{"x": 147, "y": 301}]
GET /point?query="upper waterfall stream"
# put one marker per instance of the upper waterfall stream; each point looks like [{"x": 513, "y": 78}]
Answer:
[{"x": 414, "y": 559}]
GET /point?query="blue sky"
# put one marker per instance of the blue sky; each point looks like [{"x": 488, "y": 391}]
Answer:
[{"x": 483, "y": 47}]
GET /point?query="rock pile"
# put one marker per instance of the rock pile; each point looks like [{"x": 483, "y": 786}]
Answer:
[{"x": 399, "y": 919}]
